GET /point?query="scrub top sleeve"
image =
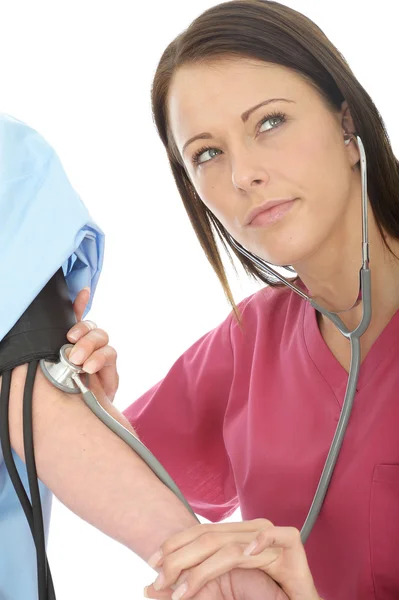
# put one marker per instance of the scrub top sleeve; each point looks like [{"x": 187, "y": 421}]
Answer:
[{"x": 181, "y": 421}]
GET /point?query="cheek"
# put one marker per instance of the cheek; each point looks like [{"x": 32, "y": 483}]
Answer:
[
  {"x": 319, "y": 166},
  {"x": 308, "y": 156},
  {"x": 215, "y": 195}
]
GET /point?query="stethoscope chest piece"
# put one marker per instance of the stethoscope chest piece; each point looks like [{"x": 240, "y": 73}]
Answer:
[{"x": 59, "y": 373}]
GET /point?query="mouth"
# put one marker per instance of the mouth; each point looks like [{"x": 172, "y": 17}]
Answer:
[{"x": 269, "y": 213}]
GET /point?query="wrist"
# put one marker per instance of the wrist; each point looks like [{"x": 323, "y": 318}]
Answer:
[{"x": 301, "y": 590}]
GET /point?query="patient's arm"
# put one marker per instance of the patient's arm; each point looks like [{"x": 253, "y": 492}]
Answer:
[
  {"x": 101, "y": 479},
  {"x": 91, "y": 470}
]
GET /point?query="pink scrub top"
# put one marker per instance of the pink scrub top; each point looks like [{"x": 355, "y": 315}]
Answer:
[{"x": 245, "y": 419}]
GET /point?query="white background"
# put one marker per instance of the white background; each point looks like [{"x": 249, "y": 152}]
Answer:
[{"x": 80, "y": 71}]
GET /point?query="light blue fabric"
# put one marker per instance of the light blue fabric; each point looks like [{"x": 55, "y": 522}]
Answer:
[{"x": 43, "y": 225}]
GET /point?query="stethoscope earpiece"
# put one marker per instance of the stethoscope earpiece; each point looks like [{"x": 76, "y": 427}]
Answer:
[{"x": 347, "y": 138}]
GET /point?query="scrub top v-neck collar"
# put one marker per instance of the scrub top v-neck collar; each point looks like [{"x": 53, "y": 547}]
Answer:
[{"x": 329, "y": 367}]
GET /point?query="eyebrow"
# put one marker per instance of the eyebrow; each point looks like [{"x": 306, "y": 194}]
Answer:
[{"x": 244, "y": 118}]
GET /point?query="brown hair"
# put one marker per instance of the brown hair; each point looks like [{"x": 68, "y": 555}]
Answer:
[{"x": 272, "y": 32}]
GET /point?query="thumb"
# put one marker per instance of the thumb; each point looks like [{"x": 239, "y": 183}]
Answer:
[
  {"x": 81, "y": 302},
  {"x": 150, "y": 592}
]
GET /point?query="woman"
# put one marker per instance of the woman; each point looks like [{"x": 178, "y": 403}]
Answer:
[
  {"x": 246, "y": 413},
  {"x": 258, "y": 110}
]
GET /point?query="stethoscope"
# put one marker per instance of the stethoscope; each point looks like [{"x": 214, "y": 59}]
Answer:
[
  {"x": 67, "y": 377},
  {"x": 353, "y": 336}
]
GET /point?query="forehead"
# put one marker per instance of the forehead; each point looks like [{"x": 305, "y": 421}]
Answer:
[{"x": 201, "y": 94}]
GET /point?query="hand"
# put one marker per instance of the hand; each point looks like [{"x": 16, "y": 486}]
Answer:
[
  {"x": 199, "y": 554},
  {"x": 238, "y": 584},
  {"x": 96, "y": 355}
]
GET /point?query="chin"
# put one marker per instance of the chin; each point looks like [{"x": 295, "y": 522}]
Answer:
[
  {"x": 279, "y": 259},
  {"x": 284, "y": 249}
]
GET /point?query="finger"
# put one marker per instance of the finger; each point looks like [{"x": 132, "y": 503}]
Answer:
[
  {"x": 103, "y": 358},
  {"x": 227, "y": 558},
  {"x": 107, "y": 373},
  {"x": 289, "y": 566},
  {"x": 187, "y": 536},
  {"x": 109, "y": 382},
  {"x": 282, "y": 537},
  {"x": 80, "y": 329},
  {"x": 87, "y": 345},
  {"x": 197, "y": 552},
  {"x": 81, "y": 302},
  {"x": 150, "y": 592}
]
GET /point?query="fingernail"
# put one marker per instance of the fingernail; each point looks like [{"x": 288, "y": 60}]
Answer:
[
  {"x": 89, "y": 367},
  {"x": 158, "y": 583},
  {"x": 155, "y": 558},
  {"x": 87, "y": 288},
  {"x": 74, "y": 335},
  {"x": 145, "y": 591},
  {"x": 179, "y": 593},
  {"x": 76, "y": 356},
  {"x": 179, "y": 581},
  {"x": 250, "y": 548}
]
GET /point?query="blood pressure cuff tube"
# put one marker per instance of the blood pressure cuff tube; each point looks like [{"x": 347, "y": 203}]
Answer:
[{"x": 41, "y": 330}]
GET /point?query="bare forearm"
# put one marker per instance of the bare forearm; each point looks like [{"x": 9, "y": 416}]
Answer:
[{"x": 92, "y": 471}]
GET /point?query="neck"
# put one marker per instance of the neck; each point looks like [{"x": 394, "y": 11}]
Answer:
[{"x": 332, "y": 278}]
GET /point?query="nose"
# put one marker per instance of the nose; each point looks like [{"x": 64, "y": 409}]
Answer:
[{"x": 248, "y": 172}]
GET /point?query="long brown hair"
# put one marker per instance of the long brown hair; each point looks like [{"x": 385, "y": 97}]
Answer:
[{"x": 274, "y": 33}]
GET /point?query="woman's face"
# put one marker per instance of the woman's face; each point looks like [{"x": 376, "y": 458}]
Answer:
[{"x": 266, "y": 136}]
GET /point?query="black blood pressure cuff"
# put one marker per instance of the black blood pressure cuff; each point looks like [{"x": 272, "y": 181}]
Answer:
[{"x": 42, "y": 329}]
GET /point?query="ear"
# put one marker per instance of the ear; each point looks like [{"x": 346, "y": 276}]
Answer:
[
  {"x": 346, "y": 118},
  {"x": 348, "y": 126}
]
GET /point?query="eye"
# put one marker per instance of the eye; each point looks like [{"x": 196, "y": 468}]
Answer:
[
  {"x": 196, "y": 158},
  {"x": 273, "y": 118},
  {"x": 276, "y": 119}
]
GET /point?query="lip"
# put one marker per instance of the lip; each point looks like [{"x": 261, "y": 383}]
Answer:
[{"x": 264, "y": 208}]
